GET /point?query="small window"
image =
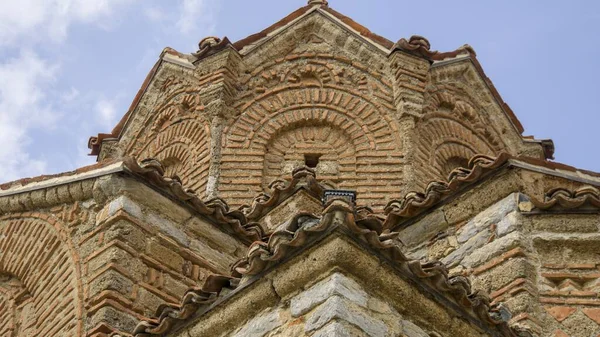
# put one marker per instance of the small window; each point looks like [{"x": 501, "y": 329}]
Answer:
[{"x": 311, "y": 160}]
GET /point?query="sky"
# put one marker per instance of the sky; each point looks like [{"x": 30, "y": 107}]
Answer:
[{"x": 69, "y": 69}]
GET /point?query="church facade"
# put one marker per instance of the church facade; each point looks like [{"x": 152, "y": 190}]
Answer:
[{"x": 313, "y": 179}]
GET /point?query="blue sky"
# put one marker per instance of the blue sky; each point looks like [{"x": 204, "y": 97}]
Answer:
[{"x": 70, "y": 68}]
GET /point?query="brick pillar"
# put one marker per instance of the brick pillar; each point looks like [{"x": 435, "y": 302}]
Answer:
[{"x": 410, "y": 80}]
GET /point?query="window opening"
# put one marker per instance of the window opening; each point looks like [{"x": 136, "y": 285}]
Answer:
[{"x": 311, "y": 160}]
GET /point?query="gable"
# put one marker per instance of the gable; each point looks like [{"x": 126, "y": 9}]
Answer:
[{"x": 231, "y": 118}]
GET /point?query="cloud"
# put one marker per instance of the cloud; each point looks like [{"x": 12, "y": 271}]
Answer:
[
  {"x": 39, "y": 20},
  {"x": 24, "y": 106},
  {"x": 106, "y": 113},
  {"x": 154, "y": 14},
  {"x": 34, "y": 103},
  {"x": 195, "y": 12}
]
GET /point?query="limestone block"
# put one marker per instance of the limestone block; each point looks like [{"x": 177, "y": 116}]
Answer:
[
  {"x": 492, "y": 215},
  {"x": 220, "y": 239},
  {"x": 111, "y": 280},
  {"x": 493, "y": 249},
  {"x": 337, "y": 284},
  {"x": 409, "y": 329},
  {"x": 261, "y": 324},
  {"x": 168, "y": 227},
  {"x": 339, "y": 308},
  {"x": 214, "y": 257},
  {"x": 468, "y": 247},
  {"x": 337, "y": 329},
  {"x": 164, "y": 255},
  {"x": 508, "y": 224},
  {"x": 423, "y": 230}
]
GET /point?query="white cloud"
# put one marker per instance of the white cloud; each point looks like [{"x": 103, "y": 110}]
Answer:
[
  {"x": 39, "y": 20},
  {"x": 23, "y": 106},
  {"x": 29, "y": 98},
  {"x": 195, "y": 12},
  {"x": 106, "y": 112},
  {"x": 154, "y": 14}
]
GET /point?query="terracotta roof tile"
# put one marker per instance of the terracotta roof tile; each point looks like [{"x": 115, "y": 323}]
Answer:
[
  {"x": 306, "y": 228},
  {"x": 480, "y": 166},
  {"x": 168, "y": 315},
  {"x": 302, "y": 178},
  {"x": 586, "y": 197},
  {"x": 216, "y": 209}
]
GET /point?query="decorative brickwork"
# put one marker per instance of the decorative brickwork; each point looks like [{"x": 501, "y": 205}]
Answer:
[
  {"x": 178, "y": 134},
  {"x": 321, "y": 105},
  {"x": 40, "y": 283},
  {"x": 190, "y": 226}
]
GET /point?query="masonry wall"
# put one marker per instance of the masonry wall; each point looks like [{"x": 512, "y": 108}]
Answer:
[
  {"x": 94, "y": 257},
  {"x": 336, "y": 305},
  {"x": 543, "y": 267}
]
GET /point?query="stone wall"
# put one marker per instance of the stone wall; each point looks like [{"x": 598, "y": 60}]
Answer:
[
  {"x": 100, "y": 260},
  {"x": 335, "y": 306},
  {"x": 378, "y": 121},
  {"x": 543, "y": 267}
]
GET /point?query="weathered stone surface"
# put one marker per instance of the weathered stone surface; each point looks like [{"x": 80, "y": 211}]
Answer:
[
  {"x": 92, "y": 252},
  {"x": 337, "y": 284},
  {"x": 339, "y": 308},
  {"x": 260, "y": 325},
  {"x": 467, "y": 248},
  {"x": 337, "y": 329},
  {"x": 492, "y": 249},
  {"x": 424, "y": 229},
  {"x": 508, "y": 224},
  {"x": 411, "y": 330},
  {"x": 492, "y": 215}
]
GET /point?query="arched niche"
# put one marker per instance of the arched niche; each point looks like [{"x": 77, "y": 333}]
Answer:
[
  {"x": 177, "y": 133},
  {"x": 324, "y": 147},
  {"x": 449, "y": 134},
  {"x": 39, "y": 279}
]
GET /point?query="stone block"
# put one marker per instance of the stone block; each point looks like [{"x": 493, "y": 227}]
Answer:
[
  {"x": 492, "y": 215},
  {"x": 125, "y": 231},
  {"x": 222, "y": 241},
  {"x": 169, "y": 228},
  {"x": 467, "y": 248},
  {"x": 409, "y": 329},
  {"x": 111, "y": 280},
  {"x": 165, "y": 255},
  {"x": 508, "y": 224},
  {"x": 110, "y": 254},
  {"x": 337, "y": 284},
  {"x": 424, "y": 229},
  {"x": 337, "y": 329},
  {"x": 114, "y": 318},
  {"x": 261, "y": 324},
  {"x": 493, "y": 249},
  {"x": 339, "y": 308},
  {"x": 214, "y": 257},
  {"x": 125, "y": 204}
]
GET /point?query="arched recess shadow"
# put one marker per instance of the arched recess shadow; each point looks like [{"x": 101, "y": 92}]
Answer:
[{"x": 37, "y": 254}]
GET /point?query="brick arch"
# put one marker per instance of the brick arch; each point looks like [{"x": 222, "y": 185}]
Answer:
[
  {"x": 364, "y": 121},
  {"x": 442, "y": 138},
  {"x": 16, "y": 308},
  {"x": 287, "y": 149},
  {"x": 37, "y": 254},
  {"x": 183, "y": 146},
  {"x": 452, "y": 153}
]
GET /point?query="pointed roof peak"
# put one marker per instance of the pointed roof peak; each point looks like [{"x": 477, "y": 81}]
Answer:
[{"x": 318, "y": 3}]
